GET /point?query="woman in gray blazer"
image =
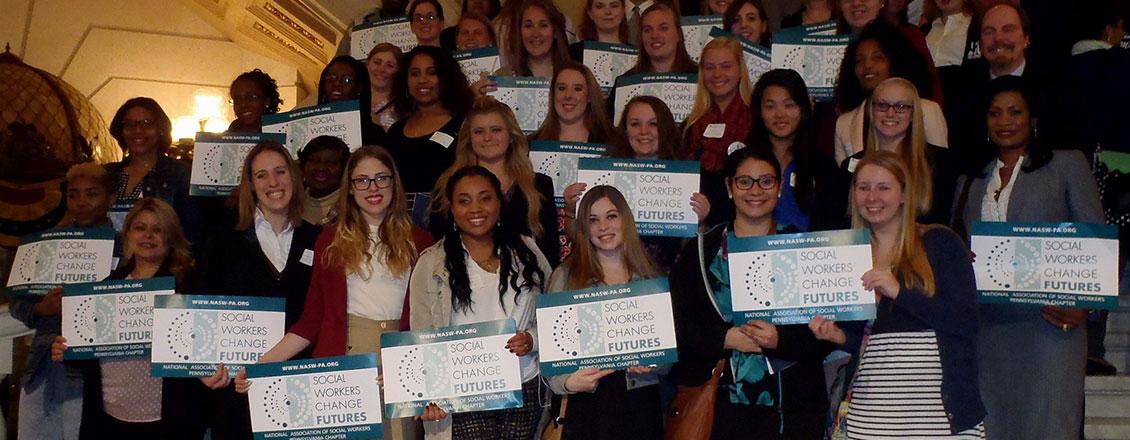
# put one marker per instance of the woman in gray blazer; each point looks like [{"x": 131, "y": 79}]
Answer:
[{"x": 1031, "y": 359}]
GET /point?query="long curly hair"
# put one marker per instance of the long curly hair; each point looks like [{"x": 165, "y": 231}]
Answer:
[
  {"x": 519, "y": 268},
  {"x": 905, "y": 61}
]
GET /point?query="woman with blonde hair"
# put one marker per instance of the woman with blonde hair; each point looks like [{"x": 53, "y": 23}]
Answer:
[
  {"x": 361, "y": 265},
  {"x": 120, "y": 397},
  {"x": 491, "y": 138},
  {"x": 609, "y": 404},
  {"x": 926, "y": 325},
  {"x": 722, "y": 101},
  {"x": 896, "y": 115},
  {"x": 261, "y": 256}
]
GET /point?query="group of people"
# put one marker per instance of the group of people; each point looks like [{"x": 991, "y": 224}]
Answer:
[{"x": 441, "y": 220}]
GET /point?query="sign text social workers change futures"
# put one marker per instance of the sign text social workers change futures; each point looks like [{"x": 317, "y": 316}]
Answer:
[
  {"x": 658, "y": 191},
  {"x": 111, "y": 318},
  {"x": 608, "y": 327},
  {"x": 315, "y": 399},
  {"x": 217, "y": 162},
  {"x": 608, "y": 61},
  {"x": 49, "y": 259},
  {"x": 816, "y": 58},
  {"x": 1072, "y": 265},
  {"x": 338, "y": 119},
  {"x": 758, "y": 59},
  {"x": 528, "y": 96},
  {"x": 790, "y": 278},
  {"x": 558, "y": 160},
  {"x": 696, "y": 33},
  {"x": 678, "y": 90},
  {"x": 477, "y": 62},
  {"x": 192, "y": 334},
  {"x": 395, "y": 30},
  {"x": 462, "y": 368}
]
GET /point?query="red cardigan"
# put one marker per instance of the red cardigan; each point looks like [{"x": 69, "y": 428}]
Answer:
[{"x": 323, "y": 321}]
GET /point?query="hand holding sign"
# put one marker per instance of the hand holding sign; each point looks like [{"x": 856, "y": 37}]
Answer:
[
  {"x": 826, "y": 330},
  {"x": 882, "y": 281}
]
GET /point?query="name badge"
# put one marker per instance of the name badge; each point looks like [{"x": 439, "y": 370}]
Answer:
[
  {"x": 442, "y": 138},
  {"x": 307, "y": 257},
  {"x": 792, "y": 180},
  {"x": 714, "y": 131},
  {"x": 852, "y": 163}
]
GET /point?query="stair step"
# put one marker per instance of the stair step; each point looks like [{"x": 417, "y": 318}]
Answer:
[
  {"x": 1119, "y": 357},
  {"x": 1108, "y": 397},
  {"x": 1117, "y": 339},
  {"x": 1100, "y": 428},
  {"x": 1119, "y": 321}
]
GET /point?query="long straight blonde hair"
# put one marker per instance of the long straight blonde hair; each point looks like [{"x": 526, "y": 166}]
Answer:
[
  {"x": 909, "y": 264},
  {"x": 703, "y": 100},
  {"x": 584, "y": 269},
  {"x": 913, "y": 151},
  {"x": 517, "y": 164},
  {"x": 351, "y": 244}
]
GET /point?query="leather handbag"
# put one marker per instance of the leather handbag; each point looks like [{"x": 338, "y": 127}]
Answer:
[
  {"x": 556, "y": 426},
  {"x": 691, "y": 416}
]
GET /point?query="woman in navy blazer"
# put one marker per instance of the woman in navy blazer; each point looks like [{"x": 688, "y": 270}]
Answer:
[{"x": 1031, "y": 359}]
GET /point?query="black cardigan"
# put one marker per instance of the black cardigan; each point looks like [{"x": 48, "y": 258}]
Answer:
[
  {"x": 181, "y": 399},
  {"x": 701, "y": 333},
  {"x": 234, "y": 264}
]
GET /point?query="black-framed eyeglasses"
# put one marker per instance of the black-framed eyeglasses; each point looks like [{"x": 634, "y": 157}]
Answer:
[
  {"x": 900, "y": 107},
  {"x": 244, "y": 98},
  {"x": 363, "y": 183},
  {"x": 423, "y": 18},
  {"x": 766, "y": 182}
]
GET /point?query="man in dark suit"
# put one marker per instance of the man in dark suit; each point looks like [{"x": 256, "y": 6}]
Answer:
[{"x": 1005, "y": 31}]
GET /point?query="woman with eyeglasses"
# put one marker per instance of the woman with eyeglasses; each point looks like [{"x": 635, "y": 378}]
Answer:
[
  {"x": 882, "y": 52},
  {"x": 253, "y": 94},
  {"x": 426, "y": 18},
  {"x": 483, "y": 269},
  {"x": 607, "y": 404},
  {"x": 491, "y": 138},
  {"x": 430, "y": 93},
  {"x": 361, "y": 265},
  {"x": 812, "y": 197},
  {"x": 917, "y": 375},
  {"x": 896, "y": 126},
  {"x": 145, "y": 133},
  {"x": 772, "y": 384},
  {"x": 121, "y": 399},
  {"x": 346, "y": 79}
]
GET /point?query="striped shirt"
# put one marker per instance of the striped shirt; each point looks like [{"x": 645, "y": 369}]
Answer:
[{"x": 898, "y": 393}]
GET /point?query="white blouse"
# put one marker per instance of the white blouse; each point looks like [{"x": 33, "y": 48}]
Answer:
[
  {"x": 947, "y": 41},
  {"x": 485, "y": 307},
  {"x": 381, "y": 296},
  {"x": 995, "y": 209}
]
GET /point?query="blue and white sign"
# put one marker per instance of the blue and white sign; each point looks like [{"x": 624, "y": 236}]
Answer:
[
  {"x": 678, "y": 90},
  {"x": 790, "y": 278},
  {"x": 339, "y": 119},
  {"x": 395, "y": 30},
  {"x": 658, "y": 191},
  {"x": 462, "y": 368},
  {"x": 558, "y": 160},
  {"x": 477, "y": 62},
  {"x": 316, "y": 399},
  {"x": 49, "y": 259},
  {"x": 528, "y": 96},
  {"x": 816, "y": 58},
  {"x": 111, "y": 318},
  {"x": 1072, "y": 265},
  {"x": 192, "y": 334},
  {"x": 217, "y": 163},
  {"x": 608, "y": 61},
  {"x": 608, "y": 327},
  {"x": 696, "y": 33}
]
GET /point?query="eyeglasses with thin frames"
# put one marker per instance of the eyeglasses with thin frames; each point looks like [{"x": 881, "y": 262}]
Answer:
[{"x": 883, "y": 106}]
